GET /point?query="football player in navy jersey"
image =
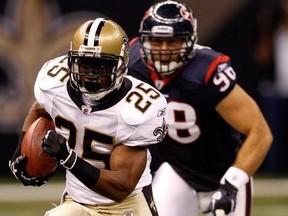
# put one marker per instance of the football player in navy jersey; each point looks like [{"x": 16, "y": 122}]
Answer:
[
  {"x": 104, "y": 121},
  {"x": 217, "y": 136}
]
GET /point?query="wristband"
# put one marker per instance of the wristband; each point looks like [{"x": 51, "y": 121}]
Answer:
[
  {"x": 70, "y": 160},
  {"x": 85, "y": 172},
  {"x": 235, "y": 177}
]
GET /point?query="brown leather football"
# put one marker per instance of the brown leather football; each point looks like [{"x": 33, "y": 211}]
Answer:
[{"x": 38, "y": 164}]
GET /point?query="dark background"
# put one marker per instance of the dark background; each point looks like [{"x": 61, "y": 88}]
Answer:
[{"x": 236, "y": 37}]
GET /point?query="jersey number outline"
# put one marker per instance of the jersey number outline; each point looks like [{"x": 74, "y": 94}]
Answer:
[
  {"x": 140, "y": 102},
  {"x": 224, "y": 77},
  {"x": 183, "y": 126},
  {"x": 90, "y": 136}
]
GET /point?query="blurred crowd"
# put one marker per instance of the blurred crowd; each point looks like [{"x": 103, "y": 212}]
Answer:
[{"x": 270, "y": 56}]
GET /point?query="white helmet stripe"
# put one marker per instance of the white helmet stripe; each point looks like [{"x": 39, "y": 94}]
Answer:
[{"x": 93, "y": 30}]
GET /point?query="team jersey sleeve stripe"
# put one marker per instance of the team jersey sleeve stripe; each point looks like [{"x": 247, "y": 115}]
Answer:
[
  {"x": 213, "y": 65},
  {"x": 132, "y": 41}
]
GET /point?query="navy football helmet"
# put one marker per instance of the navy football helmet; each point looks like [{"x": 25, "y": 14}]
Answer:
[{"x": 168, "y": 19}]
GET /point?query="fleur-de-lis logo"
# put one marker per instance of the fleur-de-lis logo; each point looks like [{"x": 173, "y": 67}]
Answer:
[
  {"x": 161, "y": 131},
  {"x": 31, "y": 32}
]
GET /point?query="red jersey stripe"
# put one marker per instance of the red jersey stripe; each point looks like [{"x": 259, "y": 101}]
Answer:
[{"x": 218, "y": 60}]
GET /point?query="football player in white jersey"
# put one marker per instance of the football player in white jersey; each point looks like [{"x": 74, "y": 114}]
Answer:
[{"x": 104, "y": 121}]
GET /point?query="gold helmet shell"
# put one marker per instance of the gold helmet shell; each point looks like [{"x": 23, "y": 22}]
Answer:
[
  {"x": 99, "y": 40},
  {"x": 101, "y": 36}
]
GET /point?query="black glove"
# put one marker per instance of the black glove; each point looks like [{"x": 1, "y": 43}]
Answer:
[
  {"x": 58, "y": 148},
  {"x": 224, "y": 198},
  {"x": 17, "y": 167}
]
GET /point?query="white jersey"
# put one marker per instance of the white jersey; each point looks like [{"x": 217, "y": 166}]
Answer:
[{"x": 136, "y": 116}]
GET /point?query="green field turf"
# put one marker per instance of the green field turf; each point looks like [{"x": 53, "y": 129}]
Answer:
[
  {"x": 270, "y": 206},
  {"x": 273, "y": 206},
  {"x": 24, "y": 208},
  {"x": 271, "y": 197}
]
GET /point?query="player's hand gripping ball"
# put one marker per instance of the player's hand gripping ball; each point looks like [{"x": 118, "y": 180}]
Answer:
[{"x": 39, "y": 163}]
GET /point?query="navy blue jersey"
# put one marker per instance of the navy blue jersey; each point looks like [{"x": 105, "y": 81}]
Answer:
[{"x": 200, "y": 145}]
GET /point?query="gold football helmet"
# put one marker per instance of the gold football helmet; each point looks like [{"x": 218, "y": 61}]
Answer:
[{"x": 98, "y": 58}]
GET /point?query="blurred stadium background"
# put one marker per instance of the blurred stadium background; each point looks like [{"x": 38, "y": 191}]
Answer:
[{"x": 33, "y": 31}]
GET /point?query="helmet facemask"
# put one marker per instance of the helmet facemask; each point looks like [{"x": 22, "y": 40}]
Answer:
[
  {"x": 168, "y": 20},
  {"x": 95, "y": 77},
  {"x": 166, "y": 61}
]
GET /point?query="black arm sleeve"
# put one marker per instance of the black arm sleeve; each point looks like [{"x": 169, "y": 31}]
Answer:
[{"x": 18, "y": 149}]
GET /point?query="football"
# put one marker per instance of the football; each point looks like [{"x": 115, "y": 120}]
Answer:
[{"x": 38, "y": 164}]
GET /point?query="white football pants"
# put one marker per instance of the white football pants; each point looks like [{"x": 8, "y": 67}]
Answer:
[{"x": 173, "y": 196}]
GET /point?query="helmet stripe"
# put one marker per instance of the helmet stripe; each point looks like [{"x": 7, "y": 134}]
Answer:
[
  {"x": 94, "y": 32},
  {"x": 85, "y": 41}
]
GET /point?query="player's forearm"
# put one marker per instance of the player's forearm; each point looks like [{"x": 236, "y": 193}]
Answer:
[
  {"x": 114, "y": 185},
  {"x": 254, "y": 150},
  {"x": 108, "y": 183},
  {"x": 248, "y": 160},
  {"x": 35, "y": 112}
]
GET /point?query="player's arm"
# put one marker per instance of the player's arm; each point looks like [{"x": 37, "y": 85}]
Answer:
[
  {"x": 127, "y": 165},
  {"x": 17, "y": 162},
  {"x": 36, "y": 111},
  {"x": 243, "y": 114}
]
